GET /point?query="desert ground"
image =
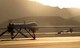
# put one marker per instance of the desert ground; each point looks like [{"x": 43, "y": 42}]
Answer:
[{"x": 55, "y": 41}]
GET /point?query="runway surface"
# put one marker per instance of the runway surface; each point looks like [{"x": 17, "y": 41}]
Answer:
[{"x": 47, "y": 42}]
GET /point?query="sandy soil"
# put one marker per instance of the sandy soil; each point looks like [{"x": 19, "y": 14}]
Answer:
[{"x": 47, "y": 42}]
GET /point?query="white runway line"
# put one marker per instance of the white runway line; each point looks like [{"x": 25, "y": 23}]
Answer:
[{"x": 41, "y": 40}]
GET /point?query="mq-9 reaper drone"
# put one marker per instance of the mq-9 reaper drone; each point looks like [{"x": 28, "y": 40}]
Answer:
[{"x": 29, "y": 27}]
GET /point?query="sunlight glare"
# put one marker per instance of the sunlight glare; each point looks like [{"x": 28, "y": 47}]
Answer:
[{"x": 60, "y": 3}]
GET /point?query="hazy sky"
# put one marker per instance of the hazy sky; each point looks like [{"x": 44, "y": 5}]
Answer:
[
  {"x": 60, "y": 3},
  {"x": 11, "y": 9}
]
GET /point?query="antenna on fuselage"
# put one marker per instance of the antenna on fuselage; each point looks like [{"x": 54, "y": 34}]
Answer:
[{"x": 10, "y": 21}]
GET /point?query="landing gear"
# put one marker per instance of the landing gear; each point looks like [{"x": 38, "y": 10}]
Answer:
[{"x": 11, "y": 28}]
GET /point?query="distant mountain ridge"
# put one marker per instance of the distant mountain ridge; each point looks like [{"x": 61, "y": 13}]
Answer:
[
  {"x": 20, "y": 10},
  {"x": 46, "y": 20}
]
